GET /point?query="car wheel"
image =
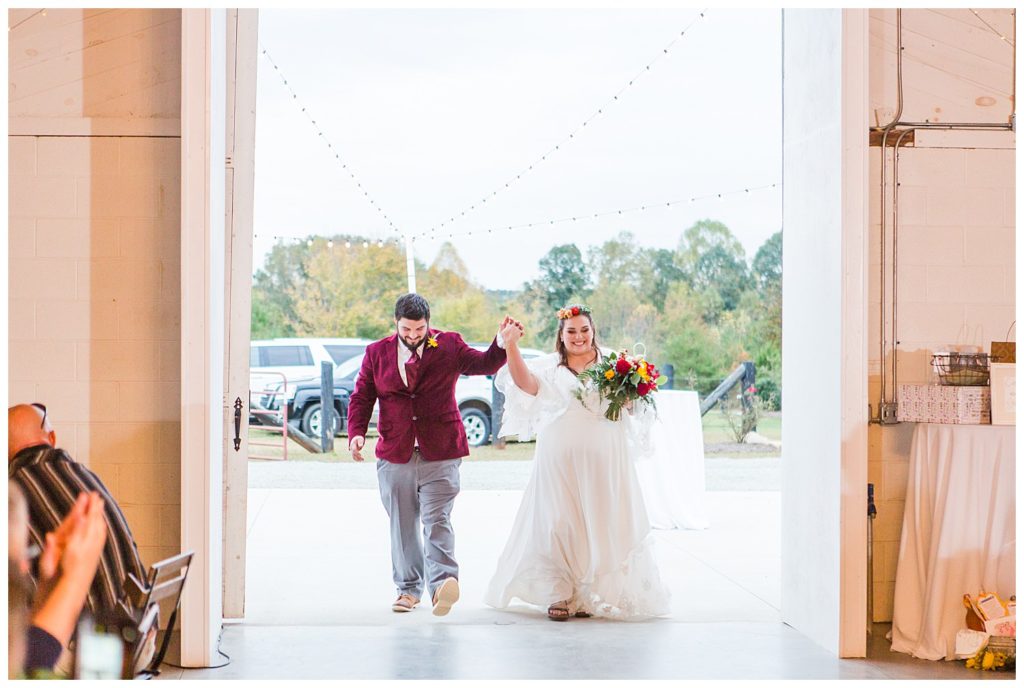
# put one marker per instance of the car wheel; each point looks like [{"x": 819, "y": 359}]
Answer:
[
  {"x": 477, "y": 425},
  {"x": 312, "y": 417}
]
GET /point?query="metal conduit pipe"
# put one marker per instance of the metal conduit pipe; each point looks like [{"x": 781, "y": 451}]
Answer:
[
  {"x": 895, "y": 247},
  {"x": 998, "y": 126},
  {"x": 881, "y": 216}
]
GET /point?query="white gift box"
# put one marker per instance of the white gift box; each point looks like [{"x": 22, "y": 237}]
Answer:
[
  {"x": 943, "y": 404},
  {"x": 1003, "y": 381}
]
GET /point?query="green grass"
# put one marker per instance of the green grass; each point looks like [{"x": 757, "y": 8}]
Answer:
[
  {"x": 716, "y": 431},
  {"x": 716, "y": 428}
]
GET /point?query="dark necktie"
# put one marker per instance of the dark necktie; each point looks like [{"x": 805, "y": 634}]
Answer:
[{"x": 412, "y": 369}]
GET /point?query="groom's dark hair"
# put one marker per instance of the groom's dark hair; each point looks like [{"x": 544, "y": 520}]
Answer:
[{"x": 413, "y": 307}]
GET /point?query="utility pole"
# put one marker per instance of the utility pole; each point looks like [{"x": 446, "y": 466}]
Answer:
[{"x": 410, "y": 264}]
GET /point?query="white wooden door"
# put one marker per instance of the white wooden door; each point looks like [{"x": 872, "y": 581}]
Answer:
[{"x": 240, "y": 164}]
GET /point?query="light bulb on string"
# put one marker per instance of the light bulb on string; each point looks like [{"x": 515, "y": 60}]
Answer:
[
  {"x": 366, "y": 244},
  {"x": 330, "y": 243},
  {"x": 348, "y": 244}
]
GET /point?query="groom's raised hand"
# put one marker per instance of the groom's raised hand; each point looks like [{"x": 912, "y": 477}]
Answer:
[{"x": 355, "y": 445}]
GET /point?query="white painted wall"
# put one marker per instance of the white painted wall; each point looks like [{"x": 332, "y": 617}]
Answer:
[
  {"x": 823, "y": 328},
  {"x": 94, "y": 248}
]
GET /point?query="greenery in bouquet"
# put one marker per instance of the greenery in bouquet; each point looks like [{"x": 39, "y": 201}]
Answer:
[{"x": 620, "y": 379}]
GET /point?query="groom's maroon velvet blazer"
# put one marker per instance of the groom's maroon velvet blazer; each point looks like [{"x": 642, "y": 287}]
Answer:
[{"x": 426, "y": 414}]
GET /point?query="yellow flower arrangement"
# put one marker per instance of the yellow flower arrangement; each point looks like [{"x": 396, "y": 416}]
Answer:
[
  {"x": 609, "y": 374},
  {"x": 990, "y": 660},
  {"x": 431, "y": 342}
]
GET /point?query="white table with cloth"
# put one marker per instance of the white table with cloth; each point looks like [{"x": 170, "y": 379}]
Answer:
[
  {"x": 672, "y": 480},
  {"x": 958, "y": 533}
]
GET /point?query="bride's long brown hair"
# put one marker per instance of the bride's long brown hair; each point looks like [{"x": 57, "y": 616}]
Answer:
[{"x": 563, "y": 353}]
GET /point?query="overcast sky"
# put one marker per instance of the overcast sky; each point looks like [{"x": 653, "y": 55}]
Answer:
[{"x": 435, "y": 109}]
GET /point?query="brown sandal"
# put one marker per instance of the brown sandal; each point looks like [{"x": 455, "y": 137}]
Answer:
[{"x": 559, "y": 611}]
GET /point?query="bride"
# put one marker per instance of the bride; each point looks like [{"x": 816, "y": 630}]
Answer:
[{"x": 580, "y": 544}]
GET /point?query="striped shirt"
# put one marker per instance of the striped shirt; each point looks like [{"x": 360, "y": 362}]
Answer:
[{"x": 51, "y": 481}]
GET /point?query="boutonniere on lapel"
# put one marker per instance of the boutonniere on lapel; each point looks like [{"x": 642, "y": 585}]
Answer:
[{"x": 431, "y": 342}]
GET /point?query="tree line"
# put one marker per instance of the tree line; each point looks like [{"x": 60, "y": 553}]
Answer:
[{"x": 700, "y": 307}]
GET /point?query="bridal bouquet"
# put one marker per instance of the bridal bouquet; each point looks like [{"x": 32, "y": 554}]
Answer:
[{"x": 621, "y": 378}]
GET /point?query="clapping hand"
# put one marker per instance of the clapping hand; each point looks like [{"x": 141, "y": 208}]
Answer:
[
  {"x": 85, "y": 543},
  {"x": 56, "y": 542},
  {"x": 68, "y": 565},
  {"x": 72, "y": 551}
]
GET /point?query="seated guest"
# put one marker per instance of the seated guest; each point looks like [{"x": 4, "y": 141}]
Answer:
[
  {"x": 67, "y": 567},
  {"x": 52, "y": 482}
]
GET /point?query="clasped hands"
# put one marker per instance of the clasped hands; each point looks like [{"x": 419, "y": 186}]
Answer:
[{"x": 511, "y": 330}]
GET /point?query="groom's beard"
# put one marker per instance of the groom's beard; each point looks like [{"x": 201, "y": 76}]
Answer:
[{"x": 411, "y": 347}]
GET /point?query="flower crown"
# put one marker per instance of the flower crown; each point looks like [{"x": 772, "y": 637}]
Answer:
[{"x": 572, "y": 311}]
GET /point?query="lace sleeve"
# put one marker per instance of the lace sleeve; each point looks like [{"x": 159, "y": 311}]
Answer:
[{"x": 524, "y": 414}]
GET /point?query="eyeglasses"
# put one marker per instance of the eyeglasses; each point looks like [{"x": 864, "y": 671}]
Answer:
[{"x": 41, "y": 407}]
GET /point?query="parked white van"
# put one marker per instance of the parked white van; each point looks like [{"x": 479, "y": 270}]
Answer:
[{"x": 298, "y": 359}]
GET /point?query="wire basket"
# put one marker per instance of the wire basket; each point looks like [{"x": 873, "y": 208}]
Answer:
[
  {"x": 998, "y": 643},
  {"x": 961, "y": 369}
]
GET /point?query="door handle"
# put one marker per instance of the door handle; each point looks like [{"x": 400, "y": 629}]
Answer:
[{"x": 238, "y": 423}]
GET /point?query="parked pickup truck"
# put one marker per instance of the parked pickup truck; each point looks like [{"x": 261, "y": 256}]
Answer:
[{"x": 305, "y": 410}]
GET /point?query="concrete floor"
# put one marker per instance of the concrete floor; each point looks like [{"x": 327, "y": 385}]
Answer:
[{"x": 318, "y": 605}]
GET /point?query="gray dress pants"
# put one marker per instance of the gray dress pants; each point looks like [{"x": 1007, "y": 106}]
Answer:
[{"x": 417, "y": 492}]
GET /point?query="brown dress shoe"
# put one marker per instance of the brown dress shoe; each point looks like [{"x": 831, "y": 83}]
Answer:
[
  {"x": 446, "y": 596},
  {"x": 404, "y": 603}
]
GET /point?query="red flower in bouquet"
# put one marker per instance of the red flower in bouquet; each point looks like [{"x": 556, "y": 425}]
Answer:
[
  {"x": 622, "y": 366},
  {"x": 643, "y": 388}
]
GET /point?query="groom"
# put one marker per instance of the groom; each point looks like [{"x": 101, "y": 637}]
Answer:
[{"x": 422, "y": 441}]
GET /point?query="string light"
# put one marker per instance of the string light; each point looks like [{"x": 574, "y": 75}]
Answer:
[
  {"x": 721, "y": 197},
  {"x": 572, "y": 134},
  {"x": 37, "y": 12},
  {"x": 333, "y": 151},
  {"x": 992, "y": 28}
]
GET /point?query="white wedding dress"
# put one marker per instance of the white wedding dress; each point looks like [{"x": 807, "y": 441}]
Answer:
[{"x": 581, "y": 533}]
